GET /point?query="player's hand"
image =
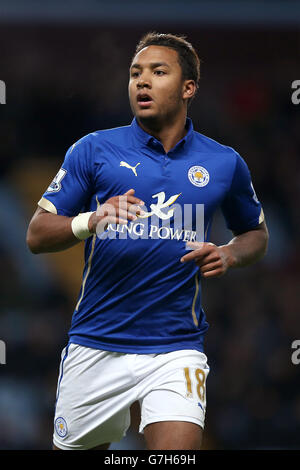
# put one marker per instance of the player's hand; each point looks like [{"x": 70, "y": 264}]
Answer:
[
  {"x": 116, "y": 210},
  {"x": 212, "y": 260}
]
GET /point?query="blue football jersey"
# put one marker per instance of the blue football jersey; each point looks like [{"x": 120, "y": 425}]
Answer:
[{"x": 136, "y": 295}]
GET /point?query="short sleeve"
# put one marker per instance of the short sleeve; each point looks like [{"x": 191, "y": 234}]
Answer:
[
  {"x": 72, "y": 186},
  {"x": 241, "y": 208}
]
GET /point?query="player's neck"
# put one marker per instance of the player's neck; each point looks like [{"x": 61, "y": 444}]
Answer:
[{"x": 169, "y": 133}]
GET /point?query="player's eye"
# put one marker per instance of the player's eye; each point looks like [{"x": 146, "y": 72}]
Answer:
[
  {"x": 134, "y": 74},
  {"x": 159, "y": 72}
]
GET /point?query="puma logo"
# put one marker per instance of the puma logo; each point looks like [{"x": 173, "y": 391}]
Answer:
[{"x": 133, "y": 168}]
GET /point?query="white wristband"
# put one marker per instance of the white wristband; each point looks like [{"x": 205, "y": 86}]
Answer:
[{"x": 80, "y": 225}]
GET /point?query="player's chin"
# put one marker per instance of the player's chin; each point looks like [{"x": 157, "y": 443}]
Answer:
[
  {"x": 145, "y": 111},
  {"x": 145, "y": 115}
]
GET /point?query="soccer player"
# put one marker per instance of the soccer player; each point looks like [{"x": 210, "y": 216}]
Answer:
[{"x": 138, "y": 326}]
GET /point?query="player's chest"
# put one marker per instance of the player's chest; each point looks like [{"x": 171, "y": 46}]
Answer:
[{"x": 198, "y": 178}]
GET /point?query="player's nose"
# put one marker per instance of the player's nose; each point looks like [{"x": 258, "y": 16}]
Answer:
[{"x": 143, "y": 81}]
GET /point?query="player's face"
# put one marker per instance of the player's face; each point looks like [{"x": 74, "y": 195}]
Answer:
[{"x": 156, "y": 88}]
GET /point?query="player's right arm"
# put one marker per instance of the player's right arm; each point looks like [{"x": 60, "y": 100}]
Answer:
[
  {"x": 48, "y": 232},
  {"x": 60, "y": 221}
]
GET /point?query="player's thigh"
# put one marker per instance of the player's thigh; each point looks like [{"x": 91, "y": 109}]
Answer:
[
  {"x": 173, "y": 435},
  {"x": 93, "y": 399},
  {"x": 174, "y": 405}
]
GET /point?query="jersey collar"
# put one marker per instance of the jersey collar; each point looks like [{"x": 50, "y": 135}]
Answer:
[{"x": 142, "y": 138}]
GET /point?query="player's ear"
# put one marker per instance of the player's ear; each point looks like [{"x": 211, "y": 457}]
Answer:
[{"x": 189, "y": 89}]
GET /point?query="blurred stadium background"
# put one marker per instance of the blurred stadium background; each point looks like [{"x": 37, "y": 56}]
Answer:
[{"x": 65, "y": 65}]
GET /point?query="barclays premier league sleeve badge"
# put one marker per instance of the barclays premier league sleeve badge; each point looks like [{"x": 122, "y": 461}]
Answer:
[
  {"x": 61, "y": 427},
  {"x": 198, "y": 176},
  {"x": 55, "y": 186}
]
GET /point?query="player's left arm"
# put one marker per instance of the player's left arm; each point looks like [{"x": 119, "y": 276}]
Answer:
[
  {"x": 245, "y": 218},
  {"x": 244, "y": 249}
]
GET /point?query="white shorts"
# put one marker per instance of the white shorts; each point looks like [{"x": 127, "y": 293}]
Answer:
[{"x": 96, "y": 389}]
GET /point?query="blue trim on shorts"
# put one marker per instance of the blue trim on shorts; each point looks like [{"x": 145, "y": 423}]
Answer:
[{"x": 62, "y": 371}]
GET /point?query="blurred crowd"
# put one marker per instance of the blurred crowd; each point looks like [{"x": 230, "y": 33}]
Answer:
[{"x": 63, "y": 84}]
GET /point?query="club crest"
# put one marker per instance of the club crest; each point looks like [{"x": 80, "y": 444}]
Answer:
[
  {"x": 61, "y": 427},
  {"x": 198, "y": 176}
]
